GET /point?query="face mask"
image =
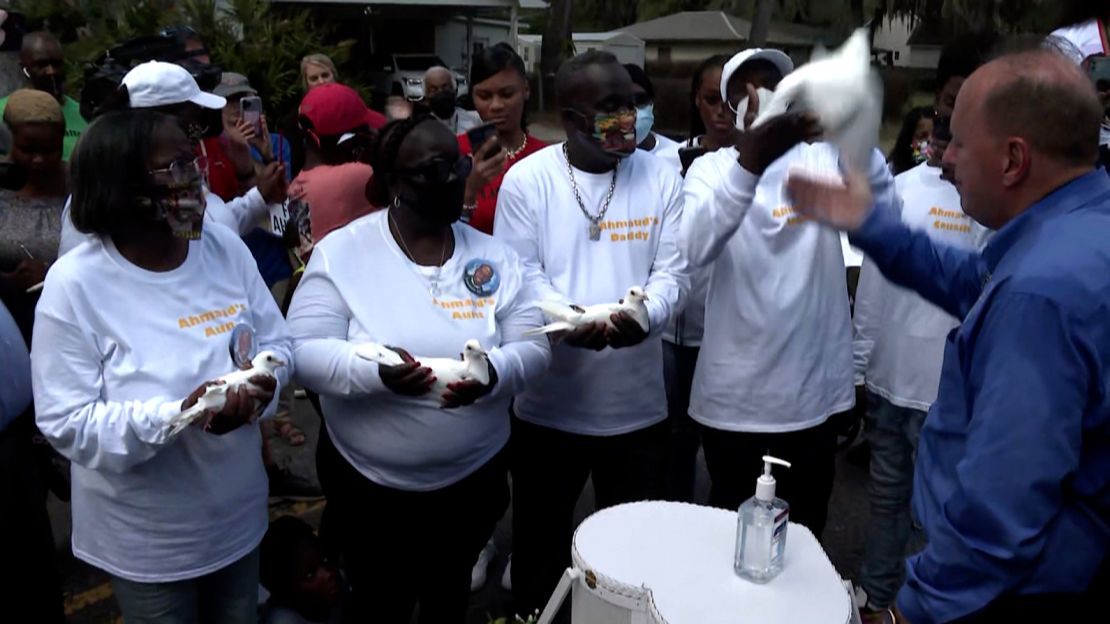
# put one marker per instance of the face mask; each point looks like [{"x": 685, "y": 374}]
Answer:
[
  {"x": 436, "y": 191},
  {"x": 442, "y": 104},
  {"x": 765, "y": 96},
  {"x": 615, "y": 132},
  {"x": 176, "y": 194},
  {"x": 645, "y": 119},
  {"x": 921, "y": 151}
]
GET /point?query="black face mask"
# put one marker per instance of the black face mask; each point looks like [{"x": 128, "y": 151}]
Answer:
[
  {"x": 438, "y": 204},
  {"x": 442, "y": 104},
  {"x": 54, "y": 84},
  {"x": 436, "y": 191}
]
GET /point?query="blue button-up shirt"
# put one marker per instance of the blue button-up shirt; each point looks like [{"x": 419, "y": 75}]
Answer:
[
  {"x": 1012, "y": 481},
  {"x": 15, "y": 370}
]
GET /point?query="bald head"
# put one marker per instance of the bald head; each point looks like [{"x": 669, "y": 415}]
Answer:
[
  {"x": 1024, "y": 125},
  {"x": 39, "y": 43},
  {"x": 1043, "y": 97},
  {"x": 438, "y": 79}
]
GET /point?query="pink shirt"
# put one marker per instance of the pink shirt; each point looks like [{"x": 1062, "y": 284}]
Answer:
[{"x": 335, "y": 194}]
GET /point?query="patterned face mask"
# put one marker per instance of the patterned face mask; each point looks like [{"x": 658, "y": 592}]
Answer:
[
  {"x": 615, "y": 132},
  {"x": 176, "y": 194},
  {"x": 920, "y": 151}
]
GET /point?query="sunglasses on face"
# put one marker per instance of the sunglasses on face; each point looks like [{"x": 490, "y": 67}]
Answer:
[{"x": 438, "y": 171}]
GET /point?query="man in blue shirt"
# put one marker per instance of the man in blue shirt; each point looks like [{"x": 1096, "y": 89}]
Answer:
[{"x": 1012, "y": 480}]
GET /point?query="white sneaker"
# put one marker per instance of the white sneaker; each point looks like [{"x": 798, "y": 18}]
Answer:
[
  {"x": 481, "y": 567},
  {"x": 507, "y": 576}
]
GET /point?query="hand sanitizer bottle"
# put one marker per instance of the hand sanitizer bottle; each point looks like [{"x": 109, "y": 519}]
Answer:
[{"x": 761, "y": 529}]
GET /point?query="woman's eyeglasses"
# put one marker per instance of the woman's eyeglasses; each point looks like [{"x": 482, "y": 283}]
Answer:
[
  {"x": 439, "y": 171},
  {"x": 181, "y": 172}
]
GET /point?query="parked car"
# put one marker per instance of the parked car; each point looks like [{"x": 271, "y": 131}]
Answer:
[{"x": 403, "y": 74}]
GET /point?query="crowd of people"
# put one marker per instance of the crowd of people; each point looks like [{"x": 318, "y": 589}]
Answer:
[{"x": 177, "y": 239}]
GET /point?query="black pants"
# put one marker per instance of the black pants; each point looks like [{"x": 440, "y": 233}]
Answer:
[
  {"x": 29, "y": 581},
  {"x": 735, "y": 461},
  {"x": 550, "y": 468},
  {"x": 682, "y": 452},
  {"x": 403, "y": 548}
]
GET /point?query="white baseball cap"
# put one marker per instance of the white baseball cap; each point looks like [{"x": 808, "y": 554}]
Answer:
[
  {"x": 156, "y": 83},
  {"x": 776, "y": 57}
]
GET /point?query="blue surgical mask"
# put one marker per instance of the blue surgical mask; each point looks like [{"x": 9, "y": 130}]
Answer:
[{"x": 645, "y": 119}]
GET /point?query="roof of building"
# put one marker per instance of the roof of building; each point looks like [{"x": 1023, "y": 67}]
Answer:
[
  {"x": 598, "y": 37},
  {"x": 698, "y": 26}
]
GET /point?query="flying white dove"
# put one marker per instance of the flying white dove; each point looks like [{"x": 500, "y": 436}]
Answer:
[
  {"x": 843, "y": 91},
  {"x": 568, "y": 316},
  {"x": 213, "y": 399},
  {"x": 474, "y": 364}
]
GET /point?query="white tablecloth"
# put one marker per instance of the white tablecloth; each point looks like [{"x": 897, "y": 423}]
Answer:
[{"x": 683, "y": 554}]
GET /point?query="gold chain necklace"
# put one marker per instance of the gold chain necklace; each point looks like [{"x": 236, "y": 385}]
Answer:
[{"x": 513, "y": 153}]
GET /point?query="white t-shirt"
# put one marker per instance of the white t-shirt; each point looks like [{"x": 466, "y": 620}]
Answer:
[
  {"x": 613, "y": 391},
  {"x": 116, "y": 350},
  {"x": 899, "y": 336},
  {"x": 240, "y": 215},
  {"x": 360, "y": 286},
  {"x": 688, "y": 325},
  {"x": 668, "y": 151},
  {"x": 776, "y": 355}
]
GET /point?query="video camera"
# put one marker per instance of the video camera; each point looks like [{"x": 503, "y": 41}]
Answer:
[{"x": 104, "y": 75}]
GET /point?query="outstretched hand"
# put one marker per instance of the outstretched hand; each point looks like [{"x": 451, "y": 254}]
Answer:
[{"x": 841, "y": 205}]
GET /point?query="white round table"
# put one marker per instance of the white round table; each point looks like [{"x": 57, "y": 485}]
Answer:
[{"x": 656, "y": 562}]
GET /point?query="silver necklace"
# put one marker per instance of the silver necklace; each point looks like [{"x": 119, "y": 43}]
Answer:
[
  {"x": 595, "y": 221},
  {"x": 433, "y": 284}
]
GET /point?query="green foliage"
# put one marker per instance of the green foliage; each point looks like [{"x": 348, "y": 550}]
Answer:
[{"x": 252, "y": 37}]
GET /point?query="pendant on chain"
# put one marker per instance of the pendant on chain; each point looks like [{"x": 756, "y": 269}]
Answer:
[{"x": 595, "y": 231}]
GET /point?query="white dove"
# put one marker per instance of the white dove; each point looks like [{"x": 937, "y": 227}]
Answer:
[
  {"x": 844, "y": 92},
  {"x": 213, "y": 399},
  {"x": 566, "y": 317},
  {"x": 474, "y": 364}
]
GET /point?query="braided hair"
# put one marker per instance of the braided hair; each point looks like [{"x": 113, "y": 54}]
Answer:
[{"x": 384, "y": 157}]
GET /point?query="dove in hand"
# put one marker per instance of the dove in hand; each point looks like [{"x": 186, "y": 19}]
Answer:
[
  {"x": 843, "y": 91},
  {"x": 473, "y": 366},
  {"x": 214, "y": 398},
  {"x": 568, "y": 317}
]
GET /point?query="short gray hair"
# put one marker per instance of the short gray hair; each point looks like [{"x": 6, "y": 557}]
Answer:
[{"x": 435, "y": 68}]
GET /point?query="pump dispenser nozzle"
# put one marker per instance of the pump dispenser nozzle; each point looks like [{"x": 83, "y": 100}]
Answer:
[{"x": 765, "y": 484}]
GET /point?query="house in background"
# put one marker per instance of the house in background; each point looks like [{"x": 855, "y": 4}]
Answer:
[
  {"x": 451, "y": 38},
  {"x": 450, "y": 29},
  {"x": 692, "y": 36},
  {"x": 627, "y": 48}
]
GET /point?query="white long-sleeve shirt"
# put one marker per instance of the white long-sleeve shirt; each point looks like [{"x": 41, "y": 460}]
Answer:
[
  {"x": 360, "y": 286},
  {"x": 899, "y": 336},
  {"x": 241, "y": 215},
  {"x": 776, "y": 355},
  {"x": 613, "y": 391},
  {"x": 116, "y": 349}
]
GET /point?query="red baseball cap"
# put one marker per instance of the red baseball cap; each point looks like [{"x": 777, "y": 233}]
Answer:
[{"x": 335, "y": 109}]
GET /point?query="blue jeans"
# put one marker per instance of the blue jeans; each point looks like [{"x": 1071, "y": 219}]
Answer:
[
  {"x": 227, "y": 596},
  {"x": 892, "y": 432}
]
